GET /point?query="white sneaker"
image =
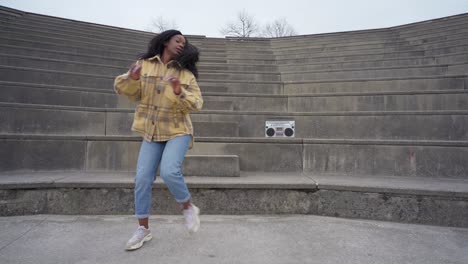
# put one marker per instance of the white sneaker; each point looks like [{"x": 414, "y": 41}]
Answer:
[
  {"x": 140, "y": 236},
  {"x": 192, "y": 220}
]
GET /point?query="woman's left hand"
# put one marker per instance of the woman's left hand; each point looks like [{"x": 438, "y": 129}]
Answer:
[{"x": 175, "y": 83}]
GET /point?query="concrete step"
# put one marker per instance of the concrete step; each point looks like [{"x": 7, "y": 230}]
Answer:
[
  {"x": 446, "y": 59},
  {"x": 392, "y": 35},
  {"x": 437, "y": 39},
  {"x": 378, "y": 35},
  {"x": 435, "y": 201},
  {"x": 19, "y": 74},
  {"x": 57, "y": 95},
  {"x": 211, "y": 165},
  {"x": 79, "y": 26},
  {"x": 10, "y": 12},
  {"x": 312, "y": 53},
  {"x": 86, "y": 28},
  {"x": 459, "y": 82},
  {"x": 75, "y": 56},
  {"x": 396, "y": 46},
  {"x": 436, "y": 35},
  {"x": 7, "y": 44},
  {"x": 89, "y": 68},
  {"x": 330, "y": 47},
  {"x": 40, "y": 76},
  {"x": 334, "y": 51},
  {"x": 358, "y": 36},
  {"x": 376, "y": 72},
  {"x": 64, "y": 65},
  {"x": 30, "y": 93},
  {"x": 72, "y": 47},
  {"x": 55, "y": 77},
  {"x": 304, "y": 42},
  {"x": 17, "y": 119},
  {"x": 23, "y": 60},
  {"x": 48, "y": 29},
  {"x": 212, "y": 46},
  {"x": 73, "y": 66},
  {"x": 376, "y": 158},
  {"x": 249, "y": 61},
  {"x": 334, "y": 47},
  {"x": 32, "y": 156},
  {"x": 84, "y": 45},
  {"x": 96, "y": 79},
  {"x": 203, "y": 129},
  {"x": 377, "y": 56},
  {"x": 358, "y": 101},
  {"x": 16, "y": 74},
  {"x": 441, "y": 51},
  {"x": 87, "y": 152},
  {"x": 219, "y": 103},
  {"x": 244, "y": 76},
  {"x": 237, "y": 67},
  {"x": 450, "y": 35},
  {"x": 416, "y": 158},
  {"x": 393, "y": 101},
  {"x": 109, "y": 45},
  {"x": 369, "y": 55},
  {"x": 424, "y": 125},
  {"x": 439, "y": 70},
  {"x": 70, "y": 56},
  {"x": 63, "y": 41},
  {"x": 458, "y": 40},
  {"x": 378, "y": 125},
  {"x": 132, "y": 56},
  {"x": 62, "y": 33},
  {"x": 250, "y": 57},
  {"x": 64, "y": 44},
  {"x": 241, "y": 51}
]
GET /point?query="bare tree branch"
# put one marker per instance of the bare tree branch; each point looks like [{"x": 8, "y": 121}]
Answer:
[
  {"x": 278, "y": 28},
  {"x": 245, "y": 26},
  {"x": 161, "y": 24}
]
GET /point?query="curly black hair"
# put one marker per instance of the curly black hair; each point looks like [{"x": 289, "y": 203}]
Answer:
[{"x": 186, "y": 60}]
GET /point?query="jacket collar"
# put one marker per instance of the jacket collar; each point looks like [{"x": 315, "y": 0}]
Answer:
[
  {"x": 157, "y": 57},
  {"x": 170, "y": 63}
]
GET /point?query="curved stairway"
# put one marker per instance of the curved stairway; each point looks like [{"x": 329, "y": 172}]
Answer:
[{"x": 381, "y": 122}]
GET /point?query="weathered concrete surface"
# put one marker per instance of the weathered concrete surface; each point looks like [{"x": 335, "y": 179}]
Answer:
[
  {"x": 412, "y": 200},
  {"x": 228, "y": 239}
]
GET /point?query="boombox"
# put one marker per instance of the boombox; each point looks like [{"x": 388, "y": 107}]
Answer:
[{"x": 279, "y": 128}]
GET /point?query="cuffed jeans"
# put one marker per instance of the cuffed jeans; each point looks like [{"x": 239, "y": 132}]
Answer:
[{"x": 170, "y": 155}]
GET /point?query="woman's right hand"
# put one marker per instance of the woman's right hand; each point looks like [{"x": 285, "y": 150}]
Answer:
[{"x": 135, "y": 71}]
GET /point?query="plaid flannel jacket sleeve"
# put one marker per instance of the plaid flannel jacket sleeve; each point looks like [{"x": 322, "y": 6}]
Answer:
[{"x": 125, "y": 85}]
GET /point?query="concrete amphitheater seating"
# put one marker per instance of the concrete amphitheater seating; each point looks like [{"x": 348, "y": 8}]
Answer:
[{"x": 381, "y": 121}]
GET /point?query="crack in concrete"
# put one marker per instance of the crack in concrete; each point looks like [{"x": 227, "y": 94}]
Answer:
[{"x": 22, "y": 235}]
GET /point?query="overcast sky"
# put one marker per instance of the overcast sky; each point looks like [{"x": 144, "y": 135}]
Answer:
[{"x": 206, "y": 17}]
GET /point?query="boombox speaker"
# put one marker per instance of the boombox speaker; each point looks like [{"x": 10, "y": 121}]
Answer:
[{"x": 279, "y": 128}]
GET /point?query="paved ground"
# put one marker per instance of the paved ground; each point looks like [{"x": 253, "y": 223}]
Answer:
[{"x": 229, "y": 239}]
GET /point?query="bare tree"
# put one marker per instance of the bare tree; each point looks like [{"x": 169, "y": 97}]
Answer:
[
  {"x": 278, "y": 28},
  {"x": 161, "y": 24},
  {"x": 244, "y": 27}
]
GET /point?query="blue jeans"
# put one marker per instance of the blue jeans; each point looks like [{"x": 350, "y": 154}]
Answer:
[{"x": 170, "y": 155}]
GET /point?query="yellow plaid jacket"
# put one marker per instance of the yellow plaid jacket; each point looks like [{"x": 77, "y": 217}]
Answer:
[{"x": 161, "y": 115}]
